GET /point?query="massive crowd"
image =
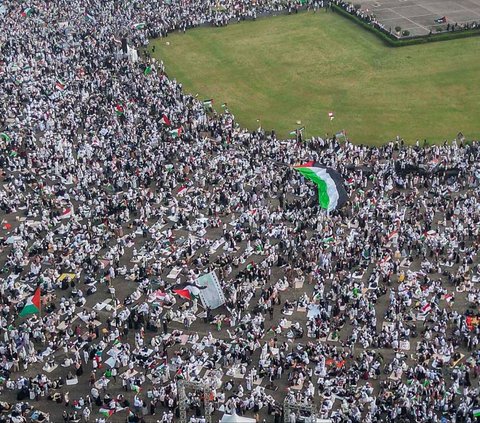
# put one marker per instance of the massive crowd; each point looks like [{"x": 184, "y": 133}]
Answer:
[{"x": 117, "y": 186}]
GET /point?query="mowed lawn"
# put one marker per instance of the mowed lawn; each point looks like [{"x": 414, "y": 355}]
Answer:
[{"x": 285, "y": 69}]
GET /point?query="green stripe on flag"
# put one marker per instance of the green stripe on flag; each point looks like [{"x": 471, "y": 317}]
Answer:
[
  {"x": 323, "y": 197},
  {"x": 5, "y": 137}
]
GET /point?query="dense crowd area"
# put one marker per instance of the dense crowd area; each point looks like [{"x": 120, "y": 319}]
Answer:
[{"x": 117, "y": 187}]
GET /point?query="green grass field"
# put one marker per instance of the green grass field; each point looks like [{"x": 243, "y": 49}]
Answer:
[{"x": 298, "y": 68}]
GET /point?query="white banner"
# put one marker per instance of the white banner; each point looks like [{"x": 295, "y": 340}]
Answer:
[{"x": 212, "y": 296}]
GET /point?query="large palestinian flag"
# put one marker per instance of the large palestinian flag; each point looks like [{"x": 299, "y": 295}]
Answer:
[
  {"x": 331, "y": 191},
  {"x": 33, "y": 304}
]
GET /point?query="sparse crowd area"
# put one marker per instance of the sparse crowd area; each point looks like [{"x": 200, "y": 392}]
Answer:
[{"x": 119, "y": 191}]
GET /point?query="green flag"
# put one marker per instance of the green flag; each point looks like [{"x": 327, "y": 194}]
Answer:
[{"x": 5, "y": 137}]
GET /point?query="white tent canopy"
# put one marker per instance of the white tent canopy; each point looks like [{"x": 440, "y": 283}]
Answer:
[{"x": 234, "y": 418}]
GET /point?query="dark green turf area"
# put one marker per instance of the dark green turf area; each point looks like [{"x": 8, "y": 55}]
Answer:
[{"x": 286, "y": 69}]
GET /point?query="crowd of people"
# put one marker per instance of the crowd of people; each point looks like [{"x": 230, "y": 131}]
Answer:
[{"x": 118, "y": 187}]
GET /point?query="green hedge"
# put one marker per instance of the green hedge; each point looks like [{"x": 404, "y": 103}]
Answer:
[{"x": 395, "y": 42}]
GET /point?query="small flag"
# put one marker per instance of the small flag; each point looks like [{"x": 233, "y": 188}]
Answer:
[
  {"x": 136, "y": 388},
  {"x": 90, "y": 18},
  {"x": 449, "y": 298},
  {"x": 426, "y": 308},
  {"x": 208, "y": 103},
  {"x": 182, "y": 191},
  {"x": 331, "y": 115},
  {"x": 297, "y": 131},
  {"x": 60, "y": 85},
  {"x": 476, "y": 412},
  {"x": 105, "y": 412},
  {"x": 393, "y": 235},
  {"x": 33, "y": 304},
  {"x": 148, "y": 70},
  {"x": 119, "y": 110},
  {"x": 224, "y": 105},
  {"x": 27, "y": 12},
  {"x": 139, "y": 25},
  {"x": 328, "y": 240},
  {"x": 67, "y": 213},
  {"x": 5, "y": 137},
  {"x": 176, "y": 132},
  {"x": 441, "y": 20},
  {"x": 165, "y": 120}
]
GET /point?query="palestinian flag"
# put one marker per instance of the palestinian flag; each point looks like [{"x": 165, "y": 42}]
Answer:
[
  {"x": 27, "y": 12},
  {"x": 331, "y": 191},
  {"x": 188, "y": 291},
  {"x": 331, "y": 116},
  {"x": 328, "y": 240},
  {"x": 476, "y": 412},
  {"x": 136, "y": 388},
  {"x": 441, "y": 20},
  {"x": 67, "y": 213},
  {"x": 106, "y": 412},
  {"x": 33, "y": 304},
  {"x": 208, "y": 103},
  {"x": 179, "y": 374},
  {"x": 176, "y": 132},
  {"x": 5, "y": 137},
  {"x": 119, "y": 109},
  {"x": 182, "y": 190},
  {"x": 297, "y": 131},
  {"x": 393, "y": 235},
  {"x": 165, "y": 120},
  {"x": 139, "y": 25},
  {"x": 224, "y": 105},
  {"x": 426, "y": 308},
  {"x": 60, "y": 85},
  {"x": 148, "y": 70}
]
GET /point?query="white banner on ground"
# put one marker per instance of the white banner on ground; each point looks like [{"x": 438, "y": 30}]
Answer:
[{"x": 212, "y": 296}]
